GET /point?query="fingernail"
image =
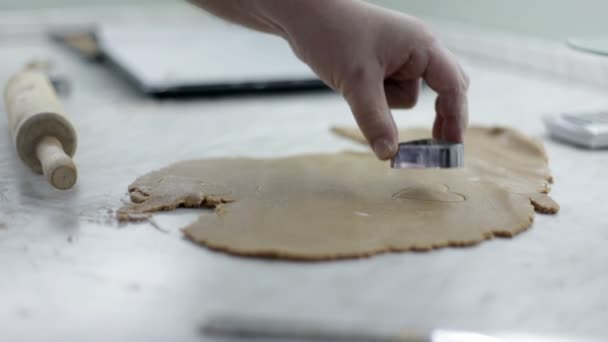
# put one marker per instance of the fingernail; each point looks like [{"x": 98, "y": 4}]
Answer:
[{"x": 384, "y": 149}]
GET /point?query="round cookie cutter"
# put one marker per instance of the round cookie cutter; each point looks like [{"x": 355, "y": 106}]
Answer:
[{"x": 428, "y": 153}]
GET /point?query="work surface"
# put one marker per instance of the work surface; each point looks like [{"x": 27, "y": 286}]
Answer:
[{"x": 69, "y": 272}]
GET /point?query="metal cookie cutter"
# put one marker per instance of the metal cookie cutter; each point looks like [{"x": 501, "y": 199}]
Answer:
[{"x": 428, "y": 153}]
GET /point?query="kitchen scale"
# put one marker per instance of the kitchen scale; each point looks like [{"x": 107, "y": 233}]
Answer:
[
  {"x": 588, "y": 129},
  {"x": 583, "y": 129}
]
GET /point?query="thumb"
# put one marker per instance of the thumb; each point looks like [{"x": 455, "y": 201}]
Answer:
[{"x": 367, "y": 101}]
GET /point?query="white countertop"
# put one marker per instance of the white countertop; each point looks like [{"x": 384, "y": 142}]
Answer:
[{"x": 69, "y": 272}]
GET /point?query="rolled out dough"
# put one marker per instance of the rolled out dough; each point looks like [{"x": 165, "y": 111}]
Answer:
[{"x": 344, "y": 205}]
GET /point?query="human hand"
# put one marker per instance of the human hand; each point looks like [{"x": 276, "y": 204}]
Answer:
[{"x": 376, "y": 58}]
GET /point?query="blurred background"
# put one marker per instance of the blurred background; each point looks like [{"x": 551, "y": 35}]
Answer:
[{"x": 554, "y": 19}]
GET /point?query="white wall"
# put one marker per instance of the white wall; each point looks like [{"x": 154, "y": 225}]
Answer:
[
  {"x": 548, "y": 18},
  {"x": 21, "y": 4}
]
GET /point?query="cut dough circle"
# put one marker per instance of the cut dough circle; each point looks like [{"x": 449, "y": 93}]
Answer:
[{"x": 346, "y": 205}]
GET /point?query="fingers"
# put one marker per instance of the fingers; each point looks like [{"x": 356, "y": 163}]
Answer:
[
  {"x": 438, "y": 125},
  {"x": 452, "y": 117},
  {"x": 444, "y": 75},
  {"x": 402, "y": 94},
  {"x": 367, "y": 100}
]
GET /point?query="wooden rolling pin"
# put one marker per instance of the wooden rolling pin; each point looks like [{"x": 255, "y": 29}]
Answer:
[{"x": 44, "y": 137}]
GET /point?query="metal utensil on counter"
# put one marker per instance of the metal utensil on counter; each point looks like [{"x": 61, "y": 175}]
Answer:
[
  {"x": 259, "y": 329},
  {"x": 269, "y": 329}
]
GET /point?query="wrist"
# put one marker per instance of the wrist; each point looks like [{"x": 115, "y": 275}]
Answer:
[
  {"x": 267, "y": 13},
  {"x": 287, "y": 17}
]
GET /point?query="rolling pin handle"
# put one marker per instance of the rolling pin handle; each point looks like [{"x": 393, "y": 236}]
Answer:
[{"x": 58, "y": 168}]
